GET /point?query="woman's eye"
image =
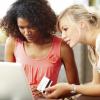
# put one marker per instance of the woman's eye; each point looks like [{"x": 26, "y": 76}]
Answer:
[
  {"x": 20, "y": 27},
  {"x": 65, "y": 29}
]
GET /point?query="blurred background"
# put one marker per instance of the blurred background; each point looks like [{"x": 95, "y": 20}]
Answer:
[{"x": 80, "y": 51}]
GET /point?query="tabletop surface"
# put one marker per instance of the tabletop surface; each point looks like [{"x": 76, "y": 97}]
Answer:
[{"x": 38, "y": 98}]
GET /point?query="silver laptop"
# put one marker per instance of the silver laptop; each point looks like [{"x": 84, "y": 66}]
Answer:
[{"x": 13, "y": 83}]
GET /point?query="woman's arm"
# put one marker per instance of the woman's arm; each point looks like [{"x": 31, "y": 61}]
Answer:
[
  {"x": 9, "y": 50},
  {"x": 69, "y": 64},
  {"x": 89, "y": 89},
  {"x": 62, "y": 89}
]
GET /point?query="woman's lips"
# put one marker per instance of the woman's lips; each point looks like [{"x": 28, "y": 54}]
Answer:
[{"x": 29, "y": 37}]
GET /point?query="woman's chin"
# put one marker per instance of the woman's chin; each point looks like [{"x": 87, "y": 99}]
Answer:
[
  {"x": 72, "y": 45},
  {"x": 29, "y": 41}
]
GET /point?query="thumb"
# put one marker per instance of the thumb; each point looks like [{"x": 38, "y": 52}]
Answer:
[{"x": 50, "y": 89}]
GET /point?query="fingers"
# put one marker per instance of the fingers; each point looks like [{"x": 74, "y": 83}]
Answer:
[
  {"x": 50, "y": 92},
  {"x": 51, "y": 95},
  {"x": 50, "y": 89},
  {"x": 35, "y": 92},
  {"x": 33, "y": 88},
  {"x": 38, "y": 94}
]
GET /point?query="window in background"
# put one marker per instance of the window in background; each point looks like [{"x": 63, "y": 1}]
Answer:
[
  {"x": 4, "y": 5},
  {"x": 57, "y": 5},
  {"x": 60, "y": 5}
]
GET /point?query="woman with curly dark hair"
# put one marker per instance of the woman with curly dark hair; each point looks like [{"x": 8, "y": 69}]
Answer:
[{"x": 30, "y": 25}]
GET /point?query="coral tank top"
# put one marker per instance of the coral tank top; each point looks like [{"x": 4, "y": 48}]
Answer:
[{"x": 35, "y": 69}]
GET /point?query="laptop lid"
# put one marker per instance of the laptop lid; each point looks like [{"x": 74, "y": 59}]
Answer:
[{"x": 13, "y": 82}]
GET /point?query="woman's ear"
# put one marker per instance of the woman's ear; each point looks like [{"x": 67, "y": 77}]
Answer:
[{"x": 82, "y": 24}]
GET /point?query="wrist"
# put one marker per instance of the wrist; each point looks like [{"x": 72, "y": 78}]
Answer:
[{"x": 73, "y": 89}]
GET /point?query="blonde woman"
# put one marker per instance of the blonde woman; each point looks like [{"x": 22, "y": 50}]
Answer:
[{"x": 78, "y": 25}]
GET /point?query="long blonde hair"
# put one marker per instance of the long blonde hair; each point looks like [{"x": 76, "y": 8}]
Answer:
[{"x": 79, "y": 12}]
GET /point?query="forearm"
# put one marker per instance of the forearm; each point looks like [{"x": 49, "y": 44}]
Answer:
[
  {"x": 88, "y": 89},
  {"x": 72, "y": 76}
]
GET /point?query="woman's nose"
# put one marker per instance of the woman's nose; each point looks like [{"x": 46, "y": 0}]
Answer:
[
  {"x": 63, "y": 35},
  {"x": 26, "y": 31}
]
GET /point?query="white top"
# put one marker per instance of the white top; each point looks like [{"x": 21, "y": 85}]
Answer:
[
  {"x": 98, "y": 44},
  {"x": 98, "y": 52}
]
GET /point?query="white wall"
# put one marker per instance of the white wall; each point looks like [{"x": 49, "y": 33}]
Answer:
[
  {"x": 60, "y": 5},
  {"x": 57, "y": 5},
  {"x": 4, "y": 5}
]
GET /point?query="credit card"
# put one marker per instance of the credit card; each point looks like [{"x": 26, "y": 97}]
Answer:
[{"x": 44, "y": 83}]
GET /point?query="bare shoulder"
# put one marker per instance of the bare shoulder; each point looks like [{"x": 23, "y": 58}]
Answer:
[
  {"x": 66, "y": 51},
  {"x": 10, "y": 42},
  {"x": 65, "y": 47},
  {"x": 9, "y": 49}
]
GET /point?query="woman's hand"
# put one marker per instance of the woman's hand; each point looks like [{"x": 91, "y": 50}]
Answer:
[
  {"x": 59, "y": 90},
  {"x": 35, "y": 92}
]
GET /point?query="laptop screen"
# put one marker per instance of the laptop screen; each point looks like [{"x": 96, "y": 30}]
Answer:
[{"x": 13, "y": 82}]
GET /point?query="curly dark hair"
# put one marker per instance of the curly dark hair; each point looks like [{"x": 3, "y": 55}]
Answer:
[{"x": 37, "y": 12}]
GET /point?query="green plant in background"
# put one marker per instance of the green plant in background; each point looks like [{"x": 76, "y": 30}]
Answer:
[
  {"x": 3, "y": 36},
  {"x": 92, "y": 2}
]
